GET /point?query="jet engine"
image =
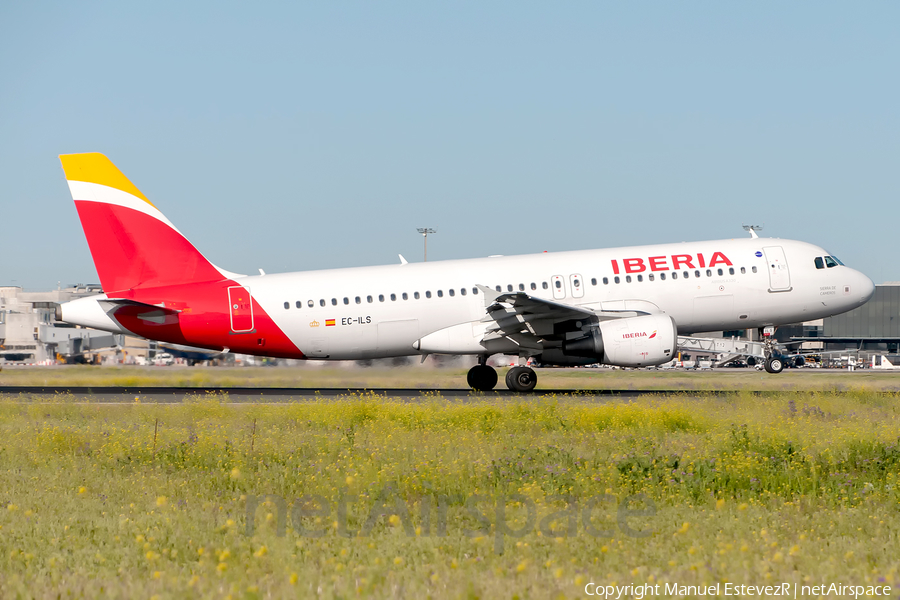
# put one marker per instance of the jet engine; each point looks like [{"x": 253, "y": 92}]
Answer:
[{"x": 629, "y": 342}]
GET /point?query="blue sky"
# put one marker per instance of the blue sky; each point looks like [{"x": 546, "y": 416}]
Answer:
[{"x": 293, "y": 136}]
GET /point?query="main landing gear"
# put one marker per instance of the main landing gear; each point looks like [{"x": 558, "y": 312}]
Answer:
[
  {"x": 521, "y": 379},
  {"x": 483, "y": 378}
]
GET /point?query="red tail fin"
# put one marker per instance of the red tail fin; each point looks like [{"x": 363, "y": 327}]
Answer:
[{"x": 132, "y": 243}]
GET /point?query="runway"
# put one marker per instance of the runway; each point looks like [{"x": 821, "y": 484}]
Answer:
[{"x": 172, "y": 394}]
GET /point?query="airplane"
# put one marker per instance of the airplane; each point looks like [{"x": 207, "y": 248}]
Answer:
[
  {"x": 624, "y": 306},
  {"x": 883, "y": 362}
]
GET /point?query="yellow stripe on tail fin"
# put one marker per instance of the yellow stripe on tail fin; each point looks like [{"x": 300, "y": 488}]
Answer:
[{"x": 93, "y": 167}]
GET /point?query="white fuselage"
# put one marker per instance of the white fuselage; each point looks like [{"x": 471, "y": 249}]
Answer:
[{"x": 382, "y": 311}]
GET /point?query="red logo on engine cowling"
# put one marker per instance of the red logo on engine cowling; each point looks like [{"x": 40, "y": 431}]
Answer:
[
  {"x": 639, "y": 334},
  {"x": 672, "y": 262}
]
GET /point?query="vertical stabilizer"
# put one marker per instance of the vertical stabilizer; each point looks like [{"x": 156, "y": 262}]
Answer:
[{"x": 133, "y": 245}]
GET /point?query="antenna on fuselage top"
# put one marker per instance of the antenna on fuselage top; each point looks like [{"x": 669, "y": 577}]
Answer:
[{"x": 753, "y": 229}]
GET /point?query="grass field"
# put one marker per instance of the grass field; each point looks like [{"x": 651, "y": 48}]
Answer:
[
  {"x": 426, "y": 377},
  {"x": 488, "y": 499}
]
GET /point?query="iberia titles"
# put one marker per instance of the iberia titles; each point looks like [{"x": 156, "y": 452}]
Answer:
[{"x": 672, "y": 262}]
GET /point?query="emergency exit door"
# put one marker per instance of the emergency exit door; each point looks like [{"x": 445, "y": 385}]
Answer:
[
  {"x": 776, "y": 263},
  {"x": 240, "y": 305},
  {"x": 558, "y": 283},
  {"x": 576, "y": 284}
]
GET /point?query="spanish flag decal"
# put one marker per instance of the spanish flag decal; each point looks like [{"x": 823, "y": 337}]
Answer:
[{"x": 329, "y": 322}]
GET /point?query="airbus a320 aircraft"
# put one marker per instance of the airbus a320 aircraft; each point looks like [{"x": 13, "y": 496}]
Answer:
[{"x": 619, "y": 306}]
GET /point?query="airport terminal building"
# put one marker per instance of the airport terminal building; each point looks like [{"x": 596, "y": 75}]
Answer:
[{"x": 30, "y": 334}]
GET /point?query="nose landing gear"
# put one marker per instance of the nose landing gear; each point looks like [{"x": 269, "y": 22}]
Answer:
[{"x": 774, "y": 365}]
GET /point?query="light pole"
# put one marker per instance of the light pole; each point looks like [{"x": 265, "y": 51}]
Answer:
[{"x": 425, "y": 231}]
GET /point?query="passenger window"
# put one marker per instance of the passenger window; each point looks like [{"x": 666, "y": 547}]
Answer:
[
  {"x": 416, "y": 295},
  {"x": 627, "y": 279},
  {"x": 593, "y": 281},
  {"x": 357, "y": 299},
  {"x": 577, "y": 283},
  {"x": 322, "y": 302},
  {"x": 662, "y": 276},
  {"x": 616, "y": 279},
  {"x": 743, "y": 271},
  {"x": 674, "y": 274},
  {"x": 299, "y": 304},
  {"x": 474, "y": 291},
  {"x": 509, "y": 287},
  {"x": 650, "y": 277},
  {"x": 427, "y": 294},
  {"x": 544, "y": 285},
  {"x": 696, "y": 273},
  {"x": 686, "y": 274},
  {"x": 369, "y": 299},
  {"x": 830, "y": 262},
  {"x": 287, "y": 305},
  {"x": 393, "y": 297},
  {"x": 452, "y": 292},
  {"x": 440, "y": 294},
  {"x": 462, "y": 291},
  {"x": 334, "y": 301},
  {"x": 640, "y": 277},
  {"x": 709, "y": 272},
  {"x": 310, "y": 304},
  {"x": 558, "y": 283},
  {"x": 381, "y": 297},
  {"x": 346, "y": 300},
  {"x": 720, "y": 272},
  {"x": 606, "y": 281},
  {"x": 405, "y": 296},
  {"x": 498, "y": 288},
  {"x": 753, "y": 269},
  {"x": 731, "y": 270},
  {"x": 521, "y": 287}
]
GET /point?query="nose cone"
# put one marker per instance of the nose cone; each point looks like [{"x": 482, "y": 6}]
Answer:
[{"x": 865, "y": 288}]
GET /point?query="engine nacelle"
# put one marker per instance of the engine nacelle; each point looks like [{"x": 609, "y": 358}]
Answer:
[{"x": 630, "y": 342}]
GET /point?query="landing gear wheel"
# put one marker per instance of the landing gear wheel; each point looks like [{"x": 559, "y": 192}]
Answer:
[
  {"x": 521, "y": 379},
  {"x": 774, "y": 365},
  {"x": 482, "y": 378}
]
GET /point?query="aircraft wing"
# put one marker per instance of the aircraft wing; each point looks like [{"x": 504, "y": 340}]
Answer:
[{"x": 529, "y": 321}]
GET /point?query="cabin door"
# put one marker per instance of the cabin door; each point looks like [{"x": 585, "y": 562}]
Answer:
[
  {"x": 240, "y": 308},
  {"x": 776, "y": 263}
]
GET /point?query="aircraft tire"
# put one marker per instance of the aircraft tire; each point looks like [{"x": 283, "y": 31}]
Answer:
[
  {"x": 521, "y": 379},
  {"x": 774, "y": 365},
  {"x": 482, "y": 378}
]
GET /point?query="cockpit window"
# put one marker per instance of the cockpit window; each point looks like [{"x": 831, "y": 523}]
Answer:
[
  {"x": 830, "y": 262},
  {"x": 838, "y": 260},
  {"x": 820, "y": 264}
]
